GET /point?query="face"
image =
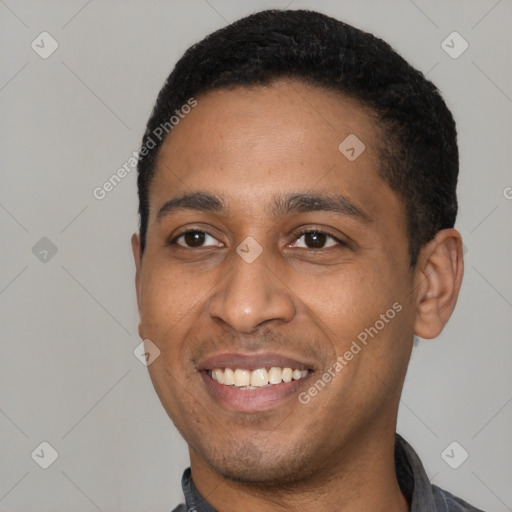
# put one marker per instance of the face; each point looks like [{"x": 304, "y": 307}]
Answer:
[{"x": 271, "y": 255}]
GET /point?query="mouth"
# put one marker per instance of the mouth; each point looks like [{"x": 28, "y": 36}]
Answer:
[
  {"x": 250, "y": 383},
  {"x": 247, "y": 380}
]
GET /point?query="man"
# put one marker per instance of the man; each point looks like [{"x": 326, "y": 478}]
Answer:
[{"x": 297, "y": 187}]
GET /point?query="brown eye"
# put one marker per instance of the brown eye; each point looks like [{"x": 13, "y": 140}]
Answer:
[
  {"x": 193, "y": 239},
  {"x": 315, "y": 240}
]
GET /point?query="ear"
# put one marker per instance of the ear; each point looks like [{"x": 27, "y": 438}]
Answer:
[
  {"x": 438, "y": 277},
  {"x": 137, "y": 257}
]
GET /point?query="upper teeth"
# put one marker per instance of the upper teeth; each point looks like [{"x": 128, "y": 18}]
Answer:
[{"x": 256, "y": 378}]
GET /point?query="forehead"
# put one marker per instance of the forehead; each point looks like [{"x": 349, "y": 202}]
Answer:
[{"x": 248, "y": 144}]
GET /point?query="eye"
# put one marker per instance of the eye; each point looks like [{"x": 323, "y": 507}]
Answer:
[
  {"x": 315, "y": 240},
  {"x": 196, "y": 239}
]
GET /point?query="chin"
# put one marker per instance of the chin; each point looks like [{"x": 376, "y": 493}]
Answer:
[{"x": 255, "y": 465}]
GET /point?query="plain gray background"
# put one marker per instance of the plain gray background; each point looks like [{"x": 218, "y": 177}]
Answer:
[{"x": 69, "y": 321}]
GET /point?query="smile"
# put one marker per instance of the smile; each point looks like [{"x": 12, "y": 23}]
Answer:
[
  {"x": 245, "y": 379},
  {"x": 252, "y": 382}
]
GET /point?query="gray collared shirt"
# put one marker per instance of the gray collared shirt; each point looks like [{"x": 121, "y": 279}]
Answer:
[{"x": 416, "y": 487}]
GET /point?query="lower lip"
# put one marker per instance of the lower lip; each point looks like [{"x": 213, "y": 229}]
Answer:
[{"x": 252, "y": 400}]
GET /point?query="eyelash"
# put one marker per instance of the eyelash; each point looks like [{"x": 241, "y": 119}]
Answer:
[
  {"x": 296, "y": 236},
  {"x": 174, "y": 240},
  {"x": 321, "y": 232}
]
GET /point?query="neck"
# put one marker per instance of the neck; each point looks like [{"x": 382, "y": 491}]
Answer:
[{"x": 361, "y": 478}]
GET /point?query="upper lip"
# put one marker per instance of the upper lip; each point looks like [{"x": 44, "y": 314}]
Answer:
[{"x": 253, "y": 361}]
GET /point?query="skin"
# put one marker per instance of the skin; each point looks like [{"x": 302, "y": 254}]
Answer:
[{"x": 245, "y": 146}]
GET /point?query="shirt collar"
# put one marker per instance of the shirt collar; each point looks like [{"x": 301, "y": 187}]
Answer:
[{"x": 412, "y": 478}]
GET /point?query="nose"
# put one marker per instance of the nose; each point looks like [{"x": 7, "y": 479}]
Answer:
[{"x": 251, "y": 295}]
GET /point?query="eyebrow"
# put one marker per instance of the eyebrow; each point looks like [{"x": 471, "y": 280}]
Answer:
[
  {"x": 200, "y": 201},
  {"x": 303, "y": 203},
  {"x": 282, "y": 205}
]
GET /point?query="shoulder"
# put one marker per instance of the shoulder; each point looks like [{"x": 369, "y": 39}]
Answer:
[
  {"x": 180, "y": 508},
  {"x": 447, "y": 502}
]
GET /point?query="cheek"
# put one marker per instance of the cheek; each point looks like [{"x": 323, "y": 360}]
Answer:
[
  {"x": 356, "y": 303},
  {"x": 168, "y": 296},
  {"x": 344, "y": 299}
]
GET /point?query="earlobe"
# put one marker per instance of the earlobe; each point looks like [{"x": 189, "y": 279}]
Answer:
[{"x": 439, "y": 277}]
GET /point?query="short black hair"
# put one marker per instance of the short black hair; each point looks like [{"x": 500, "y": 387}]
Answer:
[{"x": 418, "y": 141}]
